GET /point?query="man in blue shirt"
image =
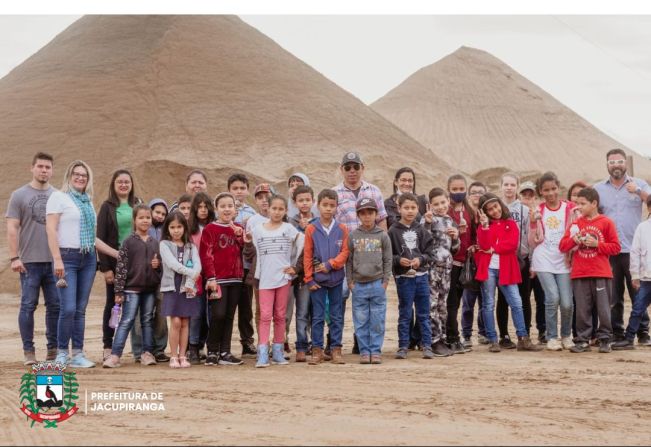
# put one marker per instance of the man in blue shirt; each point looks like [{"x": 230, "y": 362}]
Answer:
[{"x": 621, "y": 198}]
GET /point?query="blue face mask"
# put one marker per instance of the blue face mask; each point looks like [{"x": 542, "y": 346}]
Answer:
[{"x": 457, "y": 197}]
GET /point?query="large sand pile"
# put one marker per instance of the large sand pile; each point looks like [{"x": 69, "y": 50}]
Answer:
[
  {"x": 163, "y": 94},
  {"x": 477, "y": 113}
]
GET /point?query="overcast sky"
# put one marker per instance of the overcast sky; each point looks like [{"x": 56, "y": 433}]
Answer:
[{"x": 600, "y": 66}]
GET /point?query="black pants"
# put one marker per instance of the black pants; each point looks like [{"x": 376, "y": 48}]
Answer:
[
  {"x": 591, "y": 293},
  {"x": 453, "y": 304},
  {"x": 222, "y": 314},
  {"x": 620, "y": 265},
  {"x": 245, "y": 313},
  {"x": 107, "y": 331},
  {"x": 525, "y": 287}
]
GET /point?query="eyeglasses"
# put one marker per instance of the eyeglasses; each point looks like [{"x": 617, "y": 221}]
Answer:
[
  {"x": 79, "y": 175},
  {"x": 616, "y": 162},
  {"x": 354, "y": 166}
]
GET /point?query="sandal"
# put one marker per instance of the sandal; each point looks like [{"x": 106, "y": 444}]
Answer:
[
  {"x": 174, "y": 362},
  {"x": 183, "y": 362}
]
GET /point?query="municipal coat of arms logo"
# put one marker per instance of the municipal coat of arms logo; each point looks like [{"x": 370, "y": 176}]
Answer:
[{"x": 48, "y": 394}]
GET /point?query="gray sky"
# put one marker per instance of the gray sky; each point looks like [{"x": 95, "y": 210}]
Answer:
[{"x": 600, "y": 66}]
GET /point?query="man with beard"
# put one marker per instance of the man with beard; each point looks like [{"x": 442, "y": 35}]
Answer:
[
  {"x": 30, "y": 256},
  {"x": 621, "y": 198}
]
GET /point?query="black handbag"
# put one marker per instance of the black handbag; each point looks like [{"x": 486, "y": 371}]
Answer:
[{"x": 468, "y": 273}]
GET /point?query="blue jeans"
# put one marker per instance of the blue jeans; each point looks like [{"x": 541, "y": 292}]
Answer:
[
  {"x": 198, "y": 333},
  {"x": 558, "y": 291},
  {"x": 369, "y": 315},
  {"x": 302, "y": 297},
  {"x": 413, "y": 291},
  {"x": 640, "y": 303},
  {"x": 134, "y": 302},
  {"x": 468, "y": 300},
  {"x": 37, "y": 276},
  {"x": 79, "y": 274},
  {"x": 512, "y": 295},
  {"x": 318, "y": 301}
]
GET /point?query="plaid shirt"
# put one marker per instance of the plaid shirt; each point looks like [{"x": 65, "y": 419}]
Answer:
[{"x": 346, "y": 213}]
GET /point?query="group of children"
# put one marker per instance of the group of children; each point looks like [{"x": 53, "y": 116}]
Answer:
[{"x": 196, "y": 257}]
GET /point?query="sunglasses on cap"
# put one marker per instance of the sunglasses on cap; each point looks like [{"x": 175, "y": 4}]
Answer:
[{"x": 354, "y": 166}]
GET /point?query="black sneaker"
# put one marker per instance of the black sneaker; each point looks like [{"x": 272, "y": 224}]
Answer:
[
  {"x": 457, "y": 347},
  {"x": 440, "y": 349},
  {"x": 193, "y": 355},
  {"x": 644, "y": 340},
  {"x": 212, "y": 359},
  {"x": 604, "y": 346},
  {"x": 506, "y": 343},
  {"x": 229, "y": 359},
  {"x": 623, "y": 345},
  {"x": 248, "y": 349},
  {"x": 580, "y": 347},
  {"x": 161, "y": 357}
]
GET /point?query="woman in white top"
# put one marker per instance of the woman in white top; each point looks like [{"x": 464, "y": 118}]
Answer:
[{"x": 71, "y": 237}]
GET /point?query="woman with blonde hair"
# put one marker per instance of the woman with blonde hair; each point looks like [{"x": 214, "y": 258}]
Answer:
[{"x": 70, "y": 227}]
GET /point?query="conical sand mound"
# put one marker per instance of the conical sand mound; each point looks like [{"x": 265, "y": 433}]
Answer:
[
  {"x": 163, "y": 94},
  {"x": 477, "y": 113}
]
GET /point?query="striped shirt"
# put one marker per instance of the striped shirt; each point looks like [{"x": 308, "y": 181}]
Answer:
[{"x": 346, "y": 212}]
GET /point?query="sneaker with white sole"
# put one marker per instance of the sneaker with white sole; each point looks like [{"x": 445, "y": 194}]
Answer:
[
  {"x": 554, "y": 344},
  {"x": 112, "y": 361},
  {"x": 567, "y": 342},
  {"x": 147, "y": 359},
  {"x": 62, "y": 358},
  {"x": 79, "y": 360}
]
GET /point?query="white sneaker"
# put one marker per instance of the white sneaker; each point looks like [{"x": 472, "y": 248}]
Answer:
[
  {"x": 554, "y": 345},
  {"x": 567, "y": 342}
]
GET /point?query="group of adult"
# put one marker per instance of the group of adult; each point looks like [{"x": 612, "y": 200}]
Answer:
[{"x": 57, "y": 242}]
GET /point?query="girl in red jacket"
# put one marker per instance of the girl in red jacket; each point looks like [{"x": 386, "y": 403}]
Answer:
[
  {"x": 221, "y": 260},
  {"x": 497, "y": 266}
]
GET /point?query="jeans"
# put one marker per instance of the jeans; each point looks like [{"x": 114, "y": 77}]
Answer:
[
  {"x": 525, "y": 287},
  {"x": 37, "y": 276},
  {"x": 369, "y": 315},
  {"x": 470, "y": 297},
  {"x": 198, "y": 331},
  {"x": 302, "y": 297},
  {"x": 336, "y": 301},
  {"x": 558, "y": 291},
  {"x": 273, "y": 306},
  {"x": 79, "y": 274},
  {"x": 133, "y": 302},
  {"x": 413, "y": 291},
  {"x": 620, "y": 265},
  {"x": 513, "y": 299},
  {"x": 108, "y": 333},
  {"x": 640, "y": 304}
]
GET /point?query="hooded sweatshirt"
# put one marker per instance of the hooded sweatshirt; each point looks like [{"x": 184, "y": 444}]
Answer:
[
  {"x": 592, "y": 262},
  {"x": 444, "y": 248},
  {"x": 292, "y": 210},
  {"x": 410, "y": 242},
  {"x": 370, "y": 256},
  {"x": 156, "y": 229}
]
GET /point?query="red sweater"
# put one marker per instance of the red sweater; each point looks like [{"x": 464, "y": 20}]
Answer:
[
  {"x": 221, "y": 254},
  {"x": 503, "y": 237},
  {"x": 592, "y": 262}
]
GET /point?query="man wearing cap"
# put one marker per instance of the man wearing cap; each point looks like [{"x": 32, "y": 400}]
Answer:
[
  {"x": 621, "y": 197},
  {"x": 349, "y": 191}
]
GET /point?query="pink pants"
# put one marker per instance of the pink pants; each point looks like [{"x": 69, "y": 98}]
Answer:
[{"x": 273, "y": 304}]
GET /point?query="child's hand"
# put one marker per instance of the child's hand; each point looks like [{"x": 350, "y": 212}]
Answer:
[
  {"x": 119, "y": 299},
  {"x": 385, "y": 285},
  {"x": 351, "y": 285},
  {"x": 155, "y": 263},
  {"x": 405, "y": 262},
  {"x": 452, "y": 232},
  {"x": 415, "y": 263},
  {"x": 109, "y": 277},
  {"x": 236, "y": 229},
  {"x": 590, "y": 241},
  {"x": 429, "y": 216},
  {"x": 315, "y": 287},
  {"x": 290, "y": 270},
  {"x": 321, "y": 268},
  {"x": 248, "y": 237},
  {"x": 211, "y": 285},
  {"x": 189, "y": 291},
  {"x": 636, "y": 284},
  {"x": 304, "y": 222},
  {"x": 483, "y": 218}
]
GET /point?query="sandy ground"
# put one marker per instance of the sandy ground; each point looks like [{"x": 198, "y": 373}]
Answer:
[{"x": 475, "y": 398}]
